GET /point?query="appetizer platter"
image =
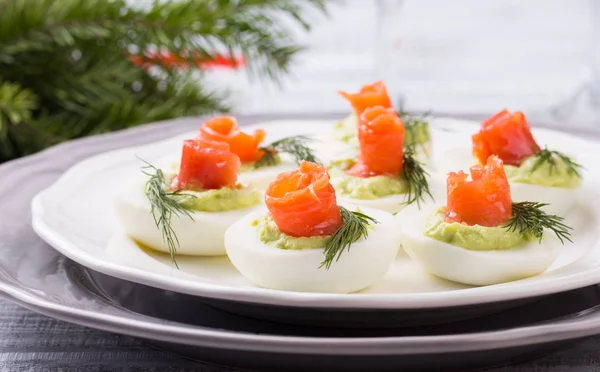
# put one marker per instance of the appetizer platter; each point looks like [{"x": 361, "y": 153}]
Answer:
[
  {"x": 42, "y": 279},
  {"x": 376, "y": 211}
]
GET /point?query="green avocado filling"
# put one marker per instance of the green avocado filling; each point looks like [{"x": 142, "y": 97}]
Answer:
[
  {"x": 547, "y": 174},
  {"x": 476, "y": 237},
  {"x": 269, "y": 233},
  {"x": 364, "y": 188},
  {"x": 219, "y": 200},
  {"x": 417, "y": 131}
]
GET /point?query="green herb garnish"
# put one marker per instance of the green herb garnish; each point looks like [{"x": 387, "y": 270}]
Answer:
[
  {"x": 529, "y": 218},
  {"x": 295, "y": 146},
  {"x": 413, "y": 125},
  {"x": 163, "y": 206},
  {"x": 354, "y": 226},
  {"x": 551, "y": 157},
  {"x": 416, "y": 178}
]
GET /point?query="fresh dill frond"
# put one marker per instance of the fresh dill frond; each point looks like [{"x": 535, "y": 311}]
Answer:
[
  {"x": 529, "y": 218},
  {"x": 269, "y": 157},
  {"x": 416, "y": 178},
  {"x": 551, "y": 157},
  {"x": 296, "y": 146},
  {"x": 417, "y": 133},
  {"x": 354, "y": 226},
  {"x": 163, "y": 206},
  {"x": 415, "y": 127}
]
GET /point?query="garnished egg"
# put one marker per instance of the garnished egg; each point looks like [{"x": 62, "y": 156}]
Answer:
[
  {"x": 480, "y": 236},
  {"x": 306, "y": 242},
  {"x": 187, "y": 212},
  {"x": 364, "y": 263},
  {"x": 469, "y": 266},
  {"x": 383, "y": 175},
  {"x": 198, "y": 233}
]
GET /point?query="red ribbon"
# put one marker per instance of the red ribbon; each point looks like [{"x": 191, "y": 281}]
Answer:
[{"x": 174, "y": 61}]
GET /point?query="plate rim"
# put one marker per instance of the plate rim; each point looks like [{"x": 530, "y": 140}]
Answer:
[
  {"x": 561, "y": 330},
  {"x": 460, "y": 297}
]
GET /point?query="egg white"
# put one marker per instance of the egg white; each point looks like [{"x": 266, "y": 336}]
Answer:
[
  {"x": 365, "y": 263},
  {"x": 560, "y": 199},
  {"x": 200, "y": 235},
  {"x": 328, "y": 148},
  {"x": 261, "y": 178},
  {"x": 467, "y": 266},
  {"x": 390, "y": 203},
  {"x": 454, "y": 160},
  {"x": 396, "y": 202}
]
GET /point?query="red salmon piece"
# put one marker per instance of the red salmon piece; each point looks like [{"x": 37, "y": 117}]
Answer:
[
  {"x": 302, "y": 202},
  {"x": 226, "y": 129},
  {"x": 485, "y": 200},
  {"x": 381, "y": 137},
  {"x": 370, "y": 95},
  {"x": 207, "y": 165},
  {"x": 506, "y": 135}
]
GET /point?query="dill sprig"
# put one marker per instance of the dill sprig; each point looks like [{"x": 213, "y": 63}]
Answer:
[
  {"x": 295, "y": 146},
  {"x": 163, "y": 206},
  {"x": 416, "y": 178},
  {"x": 354, "y": 226},
  {"x": 551, "y": 157},
  {"x": 529, "y": 218},
  {"x": 415, "y": 125}
]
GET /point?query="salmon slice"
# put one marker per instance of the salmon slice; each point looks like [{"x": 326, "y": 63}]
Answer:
[
  {"x": 226, "y": 129},
  {"x": 506, "y": 135},
  {"x": 302, "y": 202},
  {"x": 381, "y": 136},
  {"x": 206, "y": 165},
  {"x": 370, "y": 95},
  {"x": 485, "y": 200}
]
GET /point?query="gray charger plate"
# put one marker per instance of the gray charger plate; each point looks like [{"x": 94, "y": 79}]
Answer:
[{"x": 36, "y": 276}]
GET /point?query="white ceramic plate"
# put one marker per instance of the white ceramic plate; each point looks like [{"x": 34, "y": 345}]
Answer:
[{"x": 75, "y": 216}]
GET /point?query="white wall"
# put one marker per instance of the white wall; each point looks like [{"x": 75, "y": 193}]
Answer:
[{"x": 450, "y": 55}]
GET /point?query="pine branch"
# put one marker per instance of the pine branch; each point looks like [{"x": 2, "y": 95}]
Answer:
[
  {"x": 75, "y": 56},
  {"x": 202, "y": 26},
  {"x": 16, "y": 107}
]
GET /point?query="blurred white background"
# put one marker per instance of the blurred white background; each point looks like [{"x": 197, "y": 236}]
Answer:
[{"x": 460, "y": 56}]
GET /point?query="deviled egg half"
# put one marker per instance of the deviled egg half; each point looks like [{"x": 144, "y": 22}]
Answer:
[
  {"x": 417, "y": 134},
  {"x": 187, "y": 212},
  {"x": 534, "y": 173},
  {"x": 481, "y": 237},
  {"x": 384, "y": 175},
  {"x": 261, "y": 162},
  {"x": 306, "y": 242}
]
